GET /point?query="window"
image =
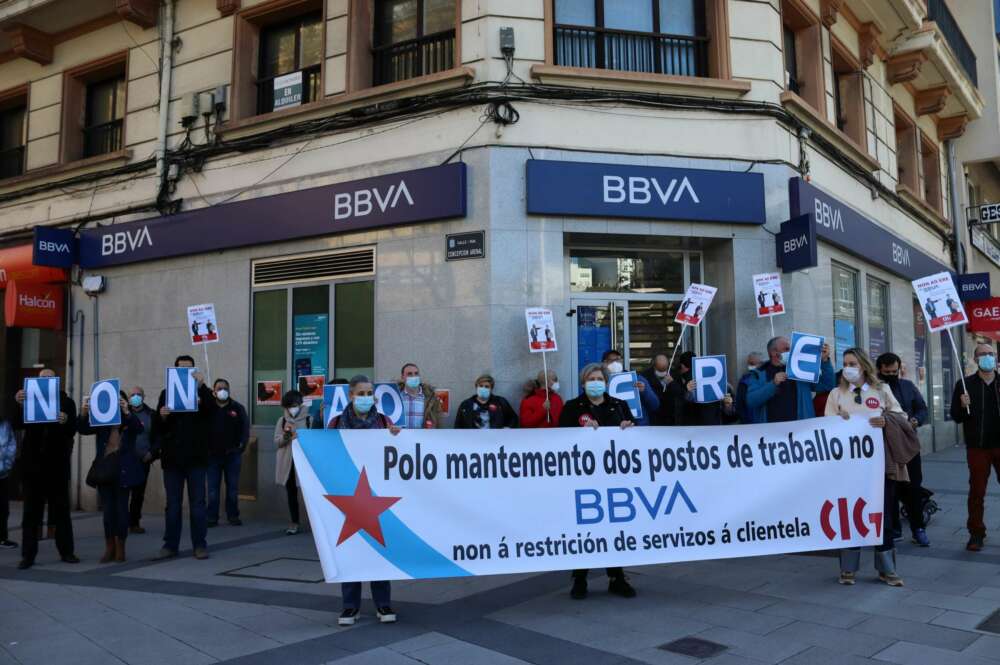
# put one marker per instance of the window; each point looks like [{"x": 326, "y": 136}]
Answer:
[
  {"x": 930, "y": 173},
  {"x": 102, "y": 130},
  {"x": 845, "y": 310},
  {"x": 802, "y": 44},
  {"x": 290, "y": 57},
  {"x": 412, "y": 38},
  {"x": 791, "y": 66},
  {"x": 626, "y": 271},
  {"x": 849, "y": 95},
  {"x": 94, "y": 108},
  {"x": 878, "y": 318},
  {"x": 651, "y": 36},
  {"x": 920, "y": 352},
  {"x": 12, "y": 131},
  {"x": 907, "y": 164}
]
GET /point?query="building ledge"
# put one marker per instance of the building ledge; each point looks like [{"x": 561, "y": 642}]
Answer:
[
  {"x": 76, "y": 167},
  {"x": 945, "y": 69},
  {"x": 660, "y": 83},
  {"x": 927, "y": 213},
  {"x": 422, "y": 85},
  {"x": 802, "y": 110}
]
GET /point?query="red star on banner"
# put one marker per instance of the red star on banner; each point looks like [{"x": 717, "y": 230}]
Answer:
[{"x": 361, "y": 510}]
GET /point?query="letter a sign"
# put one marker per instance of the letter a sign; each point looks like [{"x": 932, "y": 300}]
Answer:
[
  {"x": 804, "y": 357},
  {"x": 41, "y": 400},
  {"x": 182, "y": 389},
  {"x": 105, "y": 407}
]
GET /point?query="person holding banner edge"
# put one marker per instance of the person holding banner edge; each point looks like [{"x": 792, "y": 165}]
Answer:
[
  {"x": 294, "y": 418},
  {"x": 485, "y": 410},
  {"x": 596, "y": 408},
  {"x": 772, "y": 398}
]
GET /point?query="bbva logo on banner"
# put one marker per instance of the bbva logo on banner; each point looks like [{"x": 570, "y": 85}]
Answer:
[
  {"x": 710, "y": 377},
  {"x": 804, "y": 357},
  {"x": 41, "y": 399},
  {"x": 182, "y": 389},
  {"x": 388, "y": 401},
  {"x": 105, "y": 405}
]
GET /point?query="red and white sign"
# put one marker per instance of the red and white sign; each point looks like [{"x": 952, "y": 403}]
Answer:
[
  {"x": 541, "y": 330},
  {"x": 311, "y": 386},
  {"x": 203, "y": 325},
  {"x": 16, "y": 266},
  {"x": 268, "y": 393},
  {"x": 34, "y": 306},
  {"x": 695, "y": 304},
  {"x": 939, "y": 299},
  {"x": 444, "y": 396},
  {"x": 873, "y": 403},
  {"x": 984, "y": 317},
  {"x": 768, "y": 299}
]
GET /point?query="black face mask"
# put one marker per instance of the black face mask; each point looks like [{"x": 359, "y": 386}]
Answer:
[{"x": 886, "y": 378}]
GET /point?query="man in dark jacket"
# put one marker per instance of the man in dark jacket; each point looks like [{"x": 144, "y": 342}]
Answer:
[
  {"x": 658, "y": 379},
  {"x": 979, "y": 412},
  {"x": 143, "y": 449},
  {"x": 45, "y": 466},
  {"x": 909, "y": 397},
  {"x": 688, "y": 411},
  {"x": 180, "y": 441},
  {"x": 485, "y": 409},
  {"x": 229, "y": 433}
]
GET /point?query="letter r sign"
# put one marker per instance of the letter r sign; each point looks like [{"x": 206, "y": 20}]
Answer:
[
  {"x": 804, "y": 357},
  {"x": 709, "y": 373}
]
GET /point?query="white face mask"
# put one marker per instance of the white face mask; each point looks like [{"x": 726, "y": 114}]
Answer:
[
  {"x": 852, "y": 374},
  {"x": 294, "y": 411},
  {"x": 750, "y": 368},
  {"x": 660, "y": 374},
  {"x": 616, "y": 367},
  {"x": 555, "y": 386},
  {"x": 222, "y": 394}
]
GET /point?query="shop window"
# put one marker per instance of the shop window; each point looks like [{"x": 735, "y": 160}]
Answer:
[
  {"x": 412, "y": 38},
  {"x": 878, "y": 318},
  {"x": 948, "y": 376},
  {"x": 920, "y": 350},
  {"x": 802, "y": 43},
  {"x": 930, "y": 173},
  {"x": 310, "y": 340},
  {"x": 849, "y": 95},
  {"x": 907, "y": 162},
  {"x": 354, "y": 328},
  {"x": 270, "y": 354},
  {"x": 650, "y": 36},
  {"x": 845, "y": 310},
  {"x": 625, "y": 271},
  {"x": 13, "y": 112},
  {"x": 94, "y": 108}
]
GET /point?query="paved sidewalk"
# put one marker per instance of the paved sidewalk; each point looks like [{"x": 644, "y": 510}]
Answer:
[{"x": 259, "y": 599}]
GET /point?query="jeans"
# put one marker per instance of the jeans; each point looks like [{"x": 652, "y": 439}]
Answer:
[
  {"x": 888, "y": 501},
  {"x": 138, "y": 496},
  {"x": 228, "y": 466},
  {"x": 351, "y": 593},
  {"x": 292, "y": 489},
  {"x": 115, "y": 501},
  {"x": 173, "y": 483},
  {"x": 980, "y": 461},
  {"x": 4, "y": 506},
  {"x": 40, "y": 487},
  {"x": 911, "y": 496}
]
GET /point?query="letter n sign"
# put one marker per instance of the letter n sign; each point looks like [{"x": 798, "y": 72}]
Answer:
[
  {"x": 41, "y": 400},
  {"x": 709, "y": 373},
  {"x": 105, "y": 405},
  {"x": 804, "y": 357},
  {"x": 182, "y": 389}
]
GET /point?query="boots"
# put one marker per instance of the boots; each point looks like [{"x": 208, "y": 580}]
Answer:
[
  {"x": 109, "y": 550},
  {"x": 119, "y": 550}
]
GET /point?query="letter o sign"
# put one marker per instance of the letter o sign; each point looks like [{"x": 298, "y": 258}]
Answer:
[
  {"x": 105, "y": 408},
  {"x": 389, "y": 402}
]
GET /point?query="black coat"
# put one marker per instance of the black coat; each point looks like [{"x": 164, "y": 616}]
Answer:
[
  {"x": 972, "y": 423},
  {"x": 229, "y": 428},
  {"x": 47, "y": 447},
  {"x": 501, "y": 413},
  {"x": 611, "y": 412},
  {"x": 665, "y": 414},
  {"x": 181, "y": 439}
]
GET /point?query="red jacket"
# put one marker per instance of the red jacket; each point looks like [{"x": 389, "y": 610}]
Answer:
[{"x": 533, "y": 409}]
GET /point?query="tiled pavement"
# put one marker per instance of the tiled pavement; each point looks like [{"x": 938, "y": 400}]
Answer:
[{"x": 258, "y": 600}]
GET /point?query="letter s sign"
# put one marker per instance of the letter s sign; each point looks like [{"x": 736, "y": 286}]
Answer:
[{"x": 804, "y": 357}]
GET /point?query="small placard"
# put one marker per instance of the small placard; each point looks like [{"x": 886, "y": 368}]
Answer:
[{"x": 471, "y": 245}]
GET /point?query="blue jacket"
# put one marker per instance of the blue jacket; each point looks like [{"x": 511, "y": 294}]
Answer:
[
  {"x": 909, "y": 397},
  {"x": 132, "y": 471},
  {"x": 760, "y": 391},
  {"x": 650, "y": 402}
]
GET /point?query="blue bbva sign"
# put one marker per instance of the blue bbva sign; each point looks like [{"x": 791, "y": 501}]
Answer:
[
  {"x": 53, "y": 247},
  {"x": 974, "y": 286},
  {"x": 648, "y": 192}
]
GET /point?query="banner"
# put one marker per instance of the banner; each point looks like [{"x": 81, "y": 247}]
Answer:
[
  {"x": 105, "y": 403},
  {"x": 453, "y": 503},
  {"x": 541, "y": 330},
  {"x": 625, "y": 386},
  {"x": 182, "y": 389},
  {"x": 940, "y": 301},
  {"x": 710, "y": 377},
  {"x": 695, "y": 304},
  {"x": 805, "y": 357},
  {"x": 203, "y": 324},
  {"x": 767, "y": 294},
  {"x": 41, "y": 400}
]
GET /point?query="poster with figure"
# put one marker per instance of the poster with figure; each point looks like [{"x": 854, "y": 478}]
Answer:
[
  {"x": 269, "y": 393},
  {"x": 541, "y": 330},
  {"x": 939, "y": 300},
  {"x": 203, "y": 324},
  {"x": 695, "y": 304},
  {"x": 767, "y": 295},
  {"x": 310, "y": 350}
]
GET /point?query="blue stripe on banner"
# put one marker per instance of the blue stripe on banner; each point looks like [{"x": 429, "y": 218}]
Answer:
[{"x": 339, "y": 475}]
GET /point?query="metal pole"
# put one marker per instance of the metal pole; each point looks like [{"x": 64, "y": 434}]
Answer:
[
  {"x": 961, "y": 370},
  {"x": 545, "y": 368}
]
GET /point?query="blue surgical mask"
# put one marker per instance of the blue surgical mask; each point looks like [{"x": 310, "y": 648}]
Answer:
[
  {"x": 135, "y": 401},
  {"x": 413, "y": 382},
  {"x": 364, "y": 403},
  {"x": 784, "y": 357},
  {"x": 483, "y": 392},
  {"x": 987, "y": 363},
  {"x": 595, "y": 388}
]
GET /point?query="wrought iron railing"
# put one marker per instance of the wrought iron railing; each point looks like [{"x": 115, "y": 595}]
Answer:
[
  {"x": 310, "y": 88},
  {"x": 624, "y": 50},
  {"x": 414, "y": 57},
  {"x": 938, "y": 12},
  {"x": 12, "y": 162},
  {"x": 102, "y": 139}
]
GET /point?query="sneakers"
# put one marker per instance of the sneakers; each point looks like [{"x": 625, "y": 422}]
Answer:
[
  {"x": 24, "y": 564},
  {"x": 579, "y": 590},
  {"x": 348, "y": 617},
  {"x": 200, "y": 553},
  {"x": 236, "y": 522},
  {"x": 292, "y": 530},
  {"x": 920, "y": 538},
  {"x": 164, "y": 553},
  {"x": 8, "y": 545},
  {"x": 892, "y": 579},
  {"x": 70, "y": 558},
  {"x": 385, "y": 614},
  {"x": 620, "y": 587},
  {"x": 975, "y": 543},
  {"x": 847, "y": 578}
]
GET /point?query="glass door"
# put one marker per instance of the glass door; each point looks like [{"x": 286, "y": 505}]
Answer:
[{"x": 599, "y": 326}]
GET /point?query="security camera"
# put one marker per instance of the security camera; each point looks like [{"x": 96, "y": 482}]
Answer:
[{"x": 94, "y": 285}]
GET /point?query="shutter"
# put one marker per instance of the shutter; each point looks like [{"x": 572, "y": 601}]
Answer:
[{"x": 315, "y": 267}]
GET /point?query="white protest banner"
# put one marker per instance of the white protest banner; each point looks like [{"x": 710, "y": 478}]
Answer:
[
  {"x": 105, "y": 403},
  {"x": 939, "y": 299},
  {"x": 767, "y": 294},
  {"x": 805, "y": 358},
  {"x": 453, "y": 503},
  {"x": 203, "y": 324},
  {"x": 541, "y": 330},
  {"x": 181, "y": 389},
  {"x": 710, "y": 377},
  {"x": 41, "y": 400},
  {"x": 695, "y": 304},
  {"x": 625, "y": 386}
]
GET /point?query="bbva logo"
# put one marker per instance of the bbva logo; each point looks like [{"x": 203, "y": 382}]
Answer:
[
  {"x": 795, "y": 244},
  {"x": 36, "y": 302},
  {"x": 359, "y": 202},
  {"x": 120, "y": 242},
  {"x": 51, "y": 246},
  {"x": 639, "y": 190}
]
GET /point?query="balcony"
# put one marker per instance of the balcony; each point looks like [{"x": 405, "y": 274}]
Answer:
[
  {"x": 414, "y": 57},
  {"x": 624, "y": 50},
  {"x": 938, "y": 12},
  {"x": 102, "y": 139}
]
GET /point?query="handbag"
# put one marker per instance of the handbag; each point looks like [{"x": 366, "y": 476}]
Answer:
[{"x": 104, "y": 470}]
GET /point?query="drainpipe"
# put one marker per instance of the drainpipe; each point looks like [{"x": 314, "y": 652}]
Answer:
[{"x": 166, "y": 71}]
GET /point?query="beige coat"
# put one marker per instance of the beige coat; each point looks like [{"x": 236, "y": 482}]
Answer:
[
  {"x": 874, "y": 402},
  {"x": 283, "y": 463}
]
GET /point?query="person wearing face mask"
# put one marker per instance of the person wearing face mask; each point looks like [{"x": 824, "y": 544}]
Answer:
[
  {"x": 421, "y": 407},
  {"x": 596, "y": 408},
  {"x": 537, "y": 410},
  {"x": 293, "y": 418},
  {"x": 689, "y": 412},
  {"x": 657, "y": 378},
  {"x": 143, "y": 450},
  {"x": 613, "y": 364},
  {"x": 979, "y": 412},
  {"x": 910, "y": 493},
  {"x": 485, "y": 409},
  {"x": 754, "y": 361},
  {"x": 861, "y": 393},
  {"x": 229, "y": 434},
  {"x": 772, "y": 398}
]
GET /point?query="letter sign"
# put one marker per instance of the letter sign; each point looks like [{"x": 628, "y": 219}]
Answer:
[
  {"x": 182, "y": 389},
  {"x": 624, "y": 386},
  {"x": 41, "y": 400},
  {"x": 804, "y": 357},
  {"x": 105, "y": 404},
  {"x": 709, "y": 374},
  {"x": 388, "y": 401}
]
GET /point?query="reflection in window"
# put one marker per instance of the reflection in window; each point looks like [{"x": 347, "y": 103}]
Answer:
[
  {"x": 102, "y": 132},
  {"x": 878, "y": 318},
  {"x": 270, "y": 350},
  {"x": 413, "y": 38},
  {"x": 635, "y": 272},
  {"x": 845, "y": 310},
  {"x": 292, "y": 48}
]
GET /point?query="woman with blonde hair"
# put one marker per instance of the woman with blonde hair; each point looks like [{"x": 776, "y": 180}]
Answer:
[{"x": 861, "y": 393}]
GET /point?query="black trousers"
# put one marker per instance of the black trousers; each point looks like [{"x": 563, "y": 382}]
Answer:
[
  {"x": 136, "y": 498},
  {"x": 292, "y": 489},
  {"x": 48, "y": 487},
  {"x": 911, "y": 496},
  {"x": 612, "y": 572},
  {"x": 4, "y": 507}
]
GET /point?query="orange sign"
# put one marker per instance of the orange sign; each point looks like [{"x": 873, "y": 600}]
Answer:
[
  {"x": 15, "y": 265},
  {"x": 34, "y": 306}
]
